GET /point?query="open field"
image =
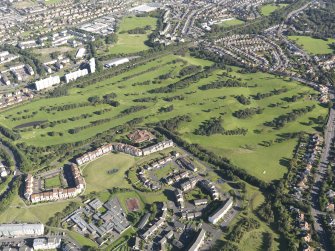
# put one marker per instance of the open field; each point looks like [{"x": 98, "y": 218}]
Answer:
[
  {"x": 96, "y": 176},
  {"x": 19, "y": 212},
  {"x": 81, "y": 239},
  {"x": 267, "y": 9},
  {"x": 313, "y": 45},
  {"x": 44, "y": 53},
  {"x": 249, "y": 152},
  {"x": 232, "y": 22},
  {"x": 131, "y": 43}
]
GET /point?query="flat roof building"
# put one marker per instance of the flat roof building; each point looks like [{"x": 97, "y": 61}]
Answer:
[
  {"x": 15, "y": 230},
  {"x": 47, "y": 82},
  {"x": 214, "y": 218},
  {"x": 199, "y": 241}
]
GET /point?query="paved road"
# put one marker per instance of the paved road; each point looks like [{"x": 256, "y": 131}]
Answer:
[{"x": 320, "y": 177}]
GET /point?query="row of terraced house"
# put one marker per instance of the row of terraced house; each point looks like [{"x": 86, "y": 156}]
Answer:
[
  {"x": 125, "y": 148},
  {"x": 55, "y": 193}
]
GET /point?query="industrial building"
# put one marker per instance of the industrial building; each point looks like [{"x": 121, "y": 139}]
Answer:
[{"x": 116, "y": 62}]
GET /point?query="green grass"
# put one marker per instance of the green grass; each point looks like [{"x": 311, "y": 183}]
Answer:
[
  {"x": 131, "y": 43},
  {"x": 52, "y": 182},
  {"x": 267, "y": 163},
  {"x": 313, "y": 45},
  {"x": 96, "y": 176},
  {"x": 47, "y": 2},
  {"x": 267, "y": 9},
  {"x": 19, "y": 212},
  {"x": 163, "y": 172},
  {"x": 83, "y": 241},
  {"x": 232, "y": 22}
]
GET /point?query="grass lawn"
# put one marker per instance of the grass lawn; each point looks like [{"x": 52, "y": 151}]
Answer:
[
  {"x": 313, "y": 45},
  {"x": 52, "y": 1},
  {"x": 19, "y": 212},
  {"x": 52, "y": 182},
  {"x": 248, "y": 152},
  {"x": 232, "y": 22},
  {"x": 44, "y": 53},
  {"x": 82, "y": 240},
  {"x": 131, "y": 43},
  {"x": 267, "y": 9},
  {"x": 96, "y": 176},
  {"x": 163, "y": 172}
]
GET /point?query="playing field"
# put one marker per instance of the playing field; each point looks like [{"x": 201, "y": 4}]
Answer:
[
  {"x": 130, "y": 43},
  {"x": 232, "y": 22},
  {"x": 267, "y": 9},
  {"x": 252, "y": 152},
  {"x": 313, "y": 45},
  {"x": 20, "y": 212},
  {"x": 96, "y": 173}
]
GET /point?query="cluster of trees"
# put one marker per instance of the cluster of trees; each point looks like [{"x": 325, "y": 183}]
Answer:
[
  {"x": 147, "y": 82},
  {"x": 166, "y": 109},
  {"x": 320, "y": 21},
  {"x": 58, "y": 91},
  {"x": 27, "y": 116},
  {"x": 22, "y": 162},
  {"x": 9, "y": 133},
  {"x": 6, "y": 158},
  {"x": 248, "y": 112},
  {"x": 329, "y": 231},
  {"x": 92, "y": 124},
  {"x": 139, "y": 30},
  {"x": 242, "y": 226},
  {"x": 7, "y": 197},
  {"x": 236, "y": 131},
  {"x": 210, "y": 126},
  {"x": 282, "y": 120},
  {"x": 74, "y": 118},
  {"x": 165, "y": 76},
  {"x": 294, "y": 98},
  {"x": 111, "y": 38},
  {"x": 56, "y": 220},
  {"x": 185, "y": 82},
  {"x": 178, "y": 97},
  {"x": 260, "y": 96},
  {"x": 223, "y": 83},
  {"x": 190, "y": 69},
  {"x": 106, "y": 99},
  {"x": 27, "y": 57},
  {"x": 172, "y": 124},
  {"x": 159, "y": 26},
  {"x": 132, "y": 109},
  {"x": 100, "y": 112},
  {"x": 268, "y": 241},
  {"x": 146, "y": 99},
  {"x": 243, "y": 99},
  {"x": 65, "y": 107}
]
